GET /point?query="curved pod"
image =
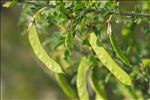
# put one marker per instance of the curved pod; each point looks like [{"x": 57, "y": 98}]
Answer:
[
  {"x": 100, "y": 93},
  {"x": 66, "y": 87},
  {"x": 118, "y": 50},
  {"x": 110, "y": 64},
  {"x": 39, "y": 51},
  {"x": 81, "y": 80}
]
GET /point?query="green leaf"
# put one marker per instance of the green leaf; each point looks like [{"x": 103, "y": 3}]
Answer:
[
  {"x": 97, "y": 97},
  {"x": 81, "y": 79},
  {"x": 68, "y": 58},
  {"x": 97, "y": 88},
  {"x": 109, "y": 63},
  {"x": 40, "y": 52},
  {"x": 146, "y": 62},
  {"x": 118, "y": 51},
  {"x": 10, "y": 4},
  {"x": 107, "y": 78},
  {"x": 60, "y": 41},
  {"x": 69, "y": 42},
  {"x": 66, "y": 87},
  {"x": 74, "y": 78},
  {"x": 79, "y": 5}
]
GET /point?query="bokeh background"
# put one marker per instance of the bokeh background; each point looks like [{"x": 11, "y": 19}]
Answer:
[{"x": 23, "y": 76}]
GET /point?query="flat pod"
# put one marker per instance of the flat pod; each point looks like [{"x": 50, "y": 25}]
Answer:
[
  {"x": 81, "y": 80},
  {"x": 109, "y": 63},
  {"x": 66, "y": 87},
  {"x": 100, "y": 93},
  {"x": 39, "y": 51},
  {"x": 118, "y": 50}
]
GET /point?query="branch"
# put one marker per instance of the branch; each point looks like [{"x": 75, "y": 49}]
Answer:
[
  {"x": 102, "y": 10},
  {"x": 117, "y": 13},
  {"x": 133, "y": 14}
]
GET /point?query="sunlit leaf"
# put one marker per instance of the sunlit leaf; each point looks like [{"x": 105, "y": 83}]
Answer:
[
  {"x": 10, "y": 3},
  {"x": 146, "y": 62}
]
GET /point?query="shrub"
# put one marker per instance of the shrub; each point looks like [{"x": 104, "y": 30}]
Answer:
[{"x": 95, "y": 49}]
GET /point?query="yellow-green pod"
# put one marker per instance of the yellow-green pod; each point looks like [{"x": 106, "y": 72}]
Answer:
[
  {"x": 100, "y": 93},
  {"x": 81, "y": 79},
  {"x": 118, "y": 50},
  {"x": 39, "y": 51},
  {"x": 110, "y": 64},
  {"x": 66, "y": 87},
  {"x": 98, "y": 97}
]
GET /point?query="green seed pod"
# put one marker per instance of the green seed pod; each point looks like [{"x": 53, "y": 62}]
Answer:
[
  {"x": 96, "y": 87},
  {"x": 118, "y": 50},
  {"x": 81, "y": 80},
  {"x": 110, "y": 64},
  {"x": 68, "y": 90},
  {"x": 39, "y": 51}
]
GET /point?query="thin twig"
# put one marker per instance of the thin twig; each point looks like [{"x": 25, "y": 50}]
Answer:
[
  {"x": 95, "y": 10},
  {"x": 117, "y": 13},
  {"x": 133, "y": 14}
]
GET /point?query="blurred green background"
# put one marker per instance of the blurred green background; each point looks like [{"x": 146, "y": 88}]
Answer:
[{"x": 23, "y": 76}]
